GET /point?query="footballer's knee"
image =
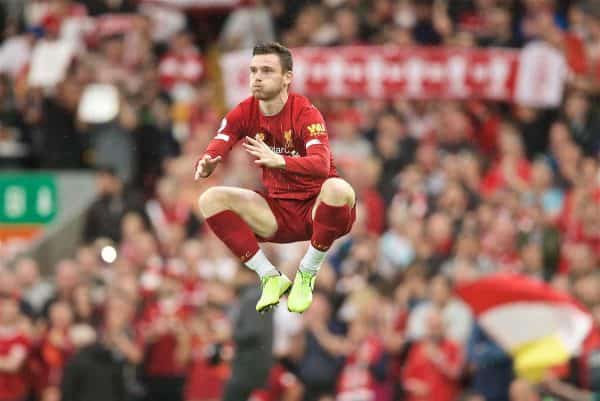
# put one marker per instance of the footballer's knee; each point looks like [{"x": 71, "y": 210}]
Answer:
[
  {"x": 213, "y": 201},
  {"x": 337, "y": 192}
]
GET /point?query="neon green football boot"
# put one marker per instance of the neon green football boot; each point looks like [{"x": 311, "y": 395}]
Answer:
[
  {"x": 301, "y": 294},
  {"x": 273, "y": 288}
]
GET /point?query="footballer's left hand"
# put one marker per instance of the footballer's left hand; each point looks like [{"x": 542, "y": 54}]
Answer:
[{"x": 265, "y": 156}]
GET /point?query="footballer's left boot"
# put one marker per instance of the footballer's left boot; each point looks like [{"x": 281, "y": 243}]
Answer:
[
  {"x": 300, "y": 296},
  {"x": 273, "y": 288}
]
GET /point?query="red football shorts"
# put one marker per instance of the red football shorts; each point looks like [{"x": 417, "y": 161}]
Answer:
[{"x": 294, "y": 219}]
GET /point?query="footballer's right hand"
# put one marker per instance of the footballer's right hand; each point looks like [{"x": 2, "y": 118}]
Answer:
[{"x": 205, "y": 166}]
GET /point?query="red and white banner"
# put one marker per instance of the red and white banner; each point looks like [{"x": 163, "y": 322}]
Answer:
[
  {"x": 416, "y": 73},
  {"x": 538, "y": 325}
]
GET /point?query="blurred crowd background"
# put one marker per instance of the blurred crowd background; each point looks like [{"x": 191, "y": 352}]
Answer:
[{"x": 153, "y": 307}]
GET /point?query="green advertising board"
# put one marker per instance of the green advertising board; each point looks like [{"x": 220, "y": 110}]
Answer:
[{"x": 28, "y": 199}]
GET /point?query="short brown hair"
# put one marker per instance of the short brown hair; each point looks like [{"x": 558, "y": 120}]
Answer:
[{"x": 285, "y": 56}]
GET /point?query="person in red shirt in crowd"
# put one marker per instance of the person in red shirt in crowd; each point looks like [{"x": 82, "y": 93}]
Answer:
[
  {"x": 194, "y": 286},
  {"x": 66, "y": 281},
  {"x": 394, "y": 321},
  {"x": 578, "y": 220},
  {"x": 511, "y": 170},
  {"x": 56, "y": 348},
  {"x": 433, "y": 366},
  {"x": 487, "y": 123},
  {"x": 119, "y": 333},
  {"x": 282, "y": 385},
  {"x": 206, "y": 352},
  {"x": 132, "y": 226},
  {"x": 412, "y": 192},
  {"x": 167, "y": 209},
  {"x": 579, "y": 223},
  {"x": 586, "y": 289},
  {"x": 359, "y": 379},
  {"x": 568, "y": 42},
  {"x": 15, "y": 347},
  {"x": 304, "y": 199},
  {"x": 163, "y": 328},
  {"x": 182, "y": 65},
  {"x": 364, "y": 180},
  {"x": 499, "y": 244}
]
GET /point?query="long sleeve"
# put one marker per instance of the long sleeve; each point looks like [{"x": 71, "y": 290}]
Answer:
[
  {"x": 220, "y": 145},
  {"x": 316, "y": 163},
  {"x": 230, "y": 131}
]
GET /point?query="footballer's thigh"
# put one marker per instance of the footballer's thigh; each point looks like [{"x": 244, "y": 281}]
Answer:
[{"x": 249, "y": 205}]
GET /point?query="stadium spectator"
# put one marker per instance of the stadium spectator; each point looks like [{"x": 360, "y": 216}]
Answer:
[
  {"x": 113, "y": 202},
  {"x": 489, "y": 365},
  {"x": 182, "y": 67},
  {"x": 247, "y": 26},
  {"x": 208, "y": 351},
  {"x": 92, "y": 373},
  {"x": 457, "y": 318},
  {"x": 253, "y": 339},
  {"x": 434, "y": 364},
  {"x": 120, "y": 335},
  {"x": 163, "y": 327},
  {"x": 320, "y": 362},
  {"x": 15, "y": 346},
  {"x": 55, "y": 349},
  {"x": 66, "y": 282},
  {"x": 35, "y": 290}
]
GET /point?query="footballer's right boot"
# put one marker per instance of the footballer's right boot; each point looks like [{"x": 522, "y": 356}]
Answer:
[{"x": 273, "y": 288}]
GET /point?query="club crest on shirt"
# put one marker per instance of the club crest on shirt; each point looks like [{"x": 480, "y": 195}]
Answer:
[
  {"x": 287, "y": 137},
  {"x": 259, "y": 136},
  {"x": 316, "y": 129}
]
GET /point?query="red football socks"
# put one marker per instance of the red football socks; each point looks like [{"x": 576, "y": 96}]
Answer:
[
  {"x": 330, "y": 223},
  {"x": 235, "y": 233}
]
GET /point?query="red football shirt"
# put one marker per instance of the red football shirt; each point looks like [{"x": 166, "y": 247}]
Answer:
[
  {"x": 279, "y": 382},
  {"x": 204, "y": 381},
  {"x": 161, "y": 358},
  {"x": 13, "y": 386},
  {"x": 356, "y": 380},
  {"x": 419, "y": 366},
  {"x": 297, "y": 132}
]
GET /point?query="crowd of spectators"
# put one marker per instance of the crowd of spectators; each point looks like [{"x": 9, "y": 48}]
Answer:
[{"x": 149, "y": 306}]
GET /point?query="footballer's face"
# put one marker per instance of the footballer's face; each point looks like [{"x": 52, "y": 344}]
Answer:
[{"x": 267, "y": 79}]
